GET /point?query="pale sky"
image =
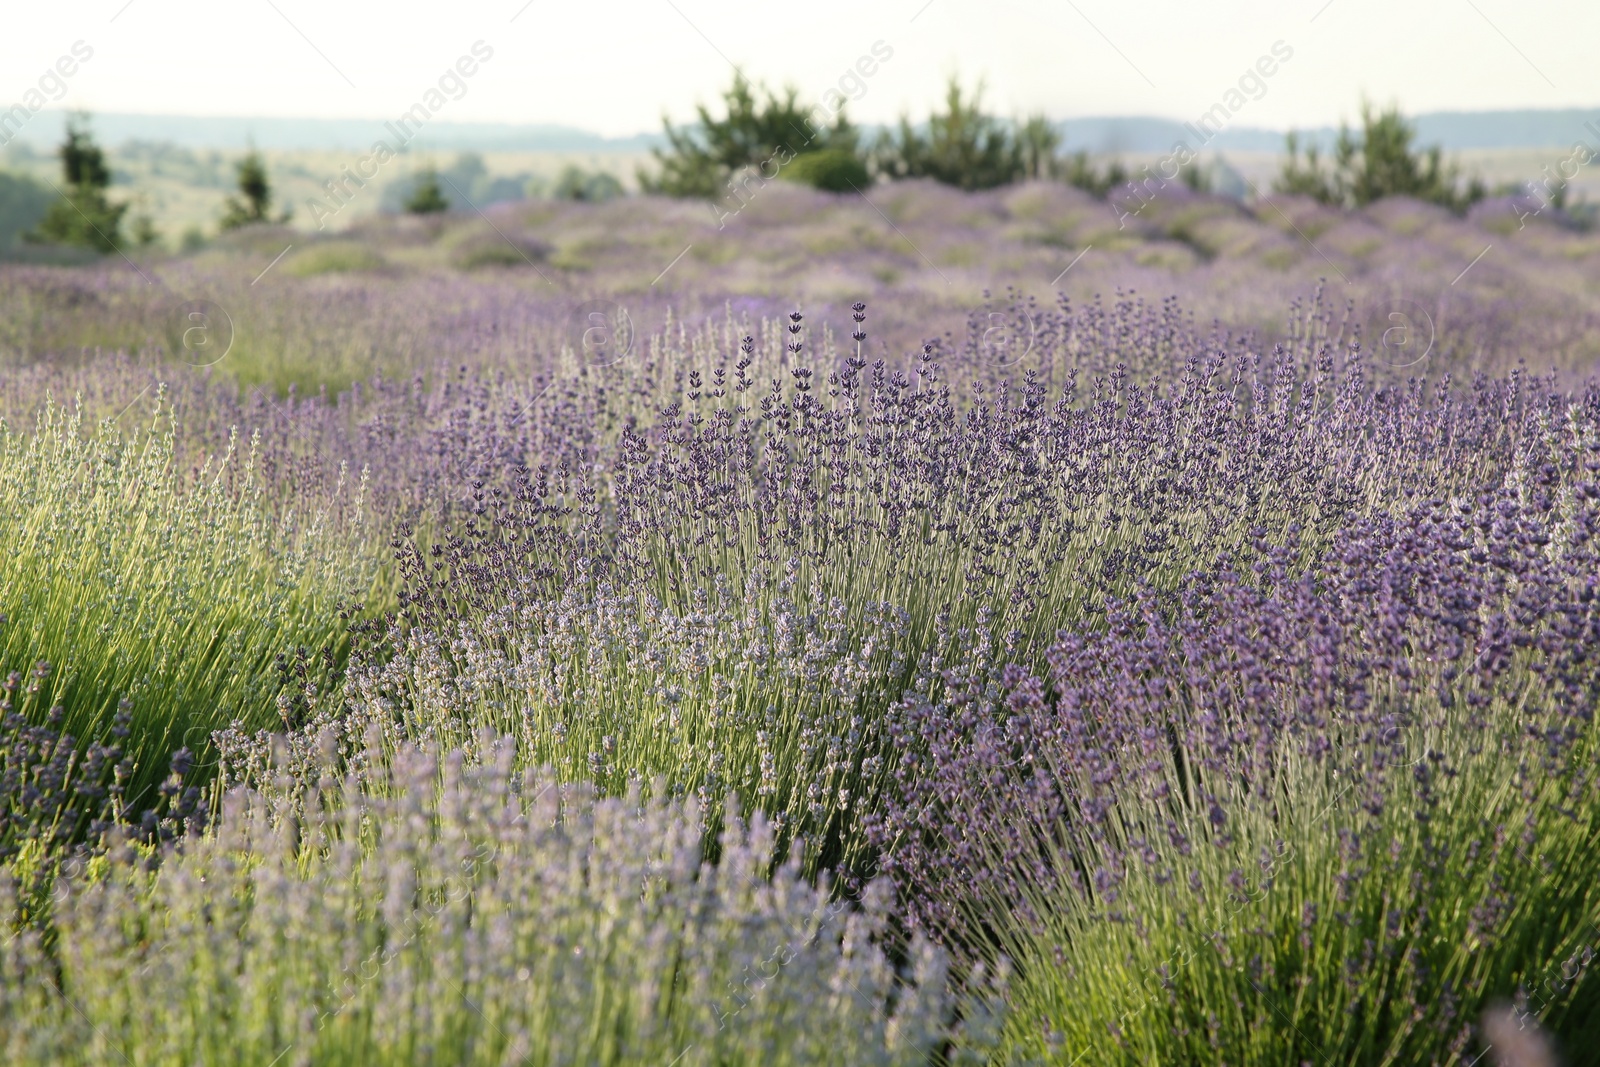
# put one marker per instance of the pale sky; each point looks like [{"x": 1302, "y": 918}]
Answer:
[{"x": 615, "y": 67}]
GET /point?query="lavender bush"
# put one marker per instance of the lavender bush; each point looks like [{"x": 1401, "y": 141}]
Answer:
[
  {"x": 59, "y": 799},
  {"x": 735, "y": 596},
  {"x": 169, "y": 591},
  {"x": 1297, "y": 812},
  {"x": 429, "y": 910}
]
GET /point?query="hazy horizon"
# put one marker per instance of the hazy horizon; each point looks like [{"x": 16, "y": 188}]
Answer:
[
  {"x": 1520, "y": 128},
  {"x": 588, "y": 69}
]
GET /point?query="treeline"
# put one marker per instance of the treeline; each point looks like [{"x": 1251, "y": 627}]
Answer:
[
  {"x": 766, "y": 135},
  {"x": 774, "y": 135},
  {"x": 761, "y": 135},
  {"x": 80, "y": 214},
  {"x": 1380, "y": 161}
]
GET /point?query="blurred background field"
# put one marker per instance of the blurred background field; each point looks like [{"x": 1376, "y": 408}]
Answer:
[
  {"x": 182, "y": 187},
  {"x": 327, "y": 277},
  {"x": 388, "y": 292}
]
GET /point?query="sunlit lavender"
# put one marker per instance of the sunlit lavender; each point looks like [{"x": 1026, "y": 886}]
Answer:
[{"x": 1113, "y": 700}]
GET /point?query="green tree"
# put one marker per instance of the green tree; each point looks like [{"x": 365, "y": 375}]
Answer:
[
  {"x": 1037, "y": 140},
  {"x": 427, "y": 197},
  {"x": 699, "y": 160},
  {"x": 835, "y": 170},
  {"x": 1078, "y": 170},
  {"x": 254, "y": 202},
  {"x": 82, "y": 215},
  {"x": 1379, "y": 162},
  {"x": 1198, "y": 178},
  {"x": 575, "y": 183},
  {"x": 145, "y": 233},
  {"x": 1310, "y": 179},
  {"x": 962, "y": 146}
]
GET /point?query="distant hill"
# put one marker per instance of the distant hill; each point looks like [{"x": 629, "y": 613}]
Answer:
[
  {"x": 223, "y": 132},
  {"x": 1510, "y": 129},
  {"x": 1453, "y": 130}
]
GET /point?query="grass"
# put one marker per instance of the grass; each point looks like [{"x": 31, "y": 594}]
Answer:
[
  {"x": 334, "y": 257},
  {"x": 495, "y": 250},
  {"x": 173, "y": 590},
  {"x": 1293, "y": 964}
]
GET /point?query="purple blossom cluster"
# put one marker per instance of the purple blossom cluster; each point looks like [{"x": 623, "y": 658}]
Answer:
[
  {"x": 47, "y": 788},
  {"x": 792, "y": 545},
  {"x": 1423, "y": 694},
  {"x": 59, "y": 797}
]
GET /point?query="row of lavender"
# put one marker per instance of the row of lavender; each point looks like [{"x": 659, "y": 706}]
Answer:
[{"x": 1239, "y": 703}]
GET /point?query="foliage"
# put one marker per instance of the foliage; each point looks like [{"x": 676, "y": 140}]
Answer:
[
  {"x": 962, "y": 146},
  {"x": 142, "y": 582},
  {"x": 748, "y": 602},
  {"x": 60, "y": 800},
  {"x": 145, "y": 233},
  {"x": 700, "y": 159},
  {"x": 494, "y": 249},
  {"x": 832, "y": 169},
  {"x": 1379, "y": 163},
  {"x": 83, "y": 163},
  {"x": 1038, "y": 140},
  {"x": 426, "y": 197},
  {"x": 575, "y": 183},
  {"x": 81, "y": 215},
  {"x": 1077, "y": 170},
  {"x": 49, "y": 790},
  {"x": 465, "y": 186},
  {"x": 1144, "y": 646},
  {"x": 333, "y": 257},
  {"x": 1355, "y": 796},
  {"x": 254, "y": 202},
  {"x": 1199, "y": 179}
]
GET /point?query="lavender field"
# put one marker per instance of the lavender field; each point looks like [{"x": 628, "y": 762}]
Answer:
[{"x": 917, "y": 627}]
